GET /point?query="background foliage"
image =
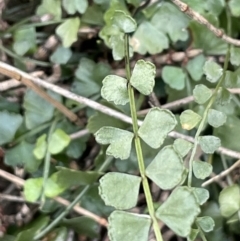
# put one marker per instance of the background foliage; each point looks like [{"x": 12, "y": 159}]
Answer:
[{"x": 80, "y": 46}]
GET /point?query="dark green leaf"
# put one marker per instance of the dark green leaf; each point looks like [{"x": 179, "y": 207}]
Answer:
[
  {"x": 22, "y": 154},
  {"x": 174, "y": 77},
  {"x": 61, "y": 55},
  {"x": 119, "y": 190},
  {"x": 9, "y": 124},
  {"x": 66, "y": 177},
  {"x": 24, "y": 40},
  {"x": 82, "y": 225}
]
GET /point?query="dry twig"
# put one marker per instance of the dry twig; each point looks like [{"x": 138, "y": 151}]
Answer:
[
  {"x": 200, "y": 19},
  {"x": 60, "y": 200}
]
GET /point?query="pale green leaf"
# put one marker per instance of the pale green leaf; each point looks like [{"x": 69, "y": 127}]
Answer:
[
  {"x": 161, "y": 169},
  {"x": 215, "y": 6},
  {"x": 68, "y": 31},
  {"x": 135, "y": 3},
  {"x": 69, "y": 6},
  {"x": 235, "y": 54},
  {"x": 201, "y": 169},
  {"x": 156, "y": 126},
  {"x": 119, "y": 190},
  {"x": 206, "y": 223},
  {"x": 120, "y": 141},
  {"x": 93, "y": 15},
  {"x": 9, "y": 124},
  {"x": 32, "y": 189},
  {"x": 216, "y": 118},
  {"x": 40, "y": 147},
  {"x": 24, "y": 40},
  {"x": 169, "y": 20},
  {"x": 223, "y": 96},
  {"x": 143, "y": 76},
  {"x": 115, "y": 89},
  {"x": 81, "y": 5},
  {"x": 128, "y": 226},
  {"x": 154, "y": 42},
  {"x": 189, "y": 119},
  {"x": 182, "y": 146},
  {"x": 52, "y": 7},
  {"x": 201, "y": 94},
  {"x": 61, "y": 55},
  {"x": 209, "y": 144},
  {"x": 234, "y": 6},
  {"x": 174, "y": 77},
  {"x": 193, "y": 235},
  {"x": 201, "y": 194},
  {"x": 52, "y": 188},
  {"x": 125, "y": 23},
  {"x": 213, "y": 71},
  {"x": 229, "y": 200},
  {"x": 22, "y": 154},
  {"x": 182, "y": 208},
  {"x": 195, "y": 67},
  {"x": 58, "y": 141}
]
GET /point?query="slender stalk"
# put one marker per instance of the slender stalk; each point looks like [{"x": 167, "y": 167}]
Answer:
[
  {"x": 210, "y": 103},
  {"x": 47, "y": 162},
  {"x": 73, "y": 203},
  {"x": 138, "y": 146}
]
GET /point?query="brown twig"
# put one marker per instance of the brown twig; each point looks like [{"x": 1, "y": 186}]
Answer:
[
  {"x": 99, "y": 107},
  {"x": 77, "y": 208},
  {"x": 26, "y": 79},
  {"x": 222, "y": 174},
  {"x": 200, "y": 19}
]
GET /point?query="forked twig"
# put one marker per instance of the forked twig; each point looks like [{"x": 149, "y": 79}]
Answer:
[
  {"x": 200, "y": 19},
  {"x": 222, "y": 174}
]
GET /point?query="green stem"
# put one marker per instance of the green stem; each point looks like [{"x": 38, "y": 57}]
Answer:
[
  {"x": 138, "y": 146},
  {"x": 47, "y": 162},
  {"x": 204, "y": 118},
  {"x": 72, "y": 204}
]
